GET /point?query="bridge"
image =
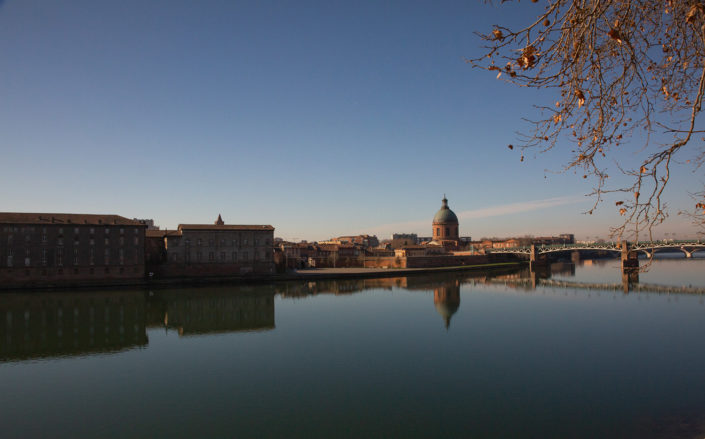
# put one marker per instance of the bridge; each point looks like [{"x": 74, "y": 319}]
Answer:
[
  {"x": 648, "y": 248},
  {"x": 629, "y": 252}
]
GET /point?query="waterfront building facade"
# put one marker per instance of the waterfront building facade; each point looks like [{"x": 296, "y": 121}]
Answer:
[
  {"x": 218, "y": 249},
  {"x": 43, "y": 249},
  {"x": 400, "y": 240}
]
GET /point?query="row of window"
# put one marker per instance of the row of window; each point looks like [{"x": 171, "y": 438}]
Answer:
[
  {"x": 106, "y": 270},
  {"x": 59, "y": 257},
  {"x": 438, "y": 231},
  {"x": 223, "y": 242},
  {"x": 76, "y": 230},
  {"x": 60, "y": 240},
  {"x": 222, "y": 257}
]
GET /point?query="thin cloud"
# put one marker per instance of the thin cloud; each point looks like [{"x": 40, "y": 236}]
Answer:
[
  {"x": 514, "y": 208},
  {"x": 485, "y": 212}
]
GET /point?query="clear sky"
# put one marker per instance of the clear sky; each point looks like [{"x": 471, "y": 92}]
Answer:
[{"x": 320, "y": 118}]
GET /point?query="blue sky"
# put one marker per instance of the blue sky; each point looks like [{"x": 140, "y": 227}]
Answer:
[{"x": 320, "y": 118}]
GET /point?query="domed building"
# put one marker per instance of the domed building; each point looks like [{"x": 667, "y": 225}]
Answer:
[{"x": 445, "y": 227}]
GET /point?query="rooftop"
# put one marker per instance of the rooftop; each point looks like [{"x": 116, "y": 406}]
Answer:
[
  {"x": 223, "y": 227},
  {"x": 66, "y": 218}
]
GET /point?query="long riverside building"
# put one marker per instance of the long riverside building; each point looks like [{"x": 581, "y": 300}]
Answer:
[{"x": 40, "y": 249}]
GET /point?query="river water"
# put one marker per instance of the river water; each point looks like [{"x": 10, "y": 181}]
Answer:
[{"x": 483, "y": 355}]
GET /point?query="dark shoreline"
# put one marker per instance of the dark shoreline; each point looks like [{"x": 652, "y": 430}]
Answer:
[{"x": 307, "y": 275}]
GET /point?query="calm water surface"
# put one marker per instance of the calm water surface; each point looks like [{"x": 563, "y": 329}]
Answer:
[{"x": 468, "y": 355}]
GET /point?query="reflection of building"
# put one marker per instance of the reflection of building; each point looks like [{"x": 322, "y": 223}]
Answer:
[
  {"x": 214, "y": 312},
  {"x": 445, "y": 227},
  {"x": 40, "y": 325},
  {"x": 447, "y": 300}
]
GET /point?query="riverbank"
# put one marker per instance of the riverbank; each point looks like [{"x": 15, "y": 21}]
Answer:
[
  {"x": 358, "y": 273},
  {"x": 304, "y": 275}
]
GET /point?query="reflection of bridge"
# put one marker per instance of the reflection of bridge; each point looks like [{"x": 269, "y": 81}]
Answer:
[{"x": 646, "y": 247}]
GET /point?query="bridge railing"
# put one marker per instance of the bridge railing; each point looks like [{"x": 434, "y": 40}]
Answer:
[{"x": 612, "y": 246}]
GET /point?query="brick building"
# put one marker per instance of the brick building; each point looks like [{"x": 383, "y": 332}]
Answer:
[
  {"x": 44, "y": 249},
  {"x": 445, "y": 227},
  {"x": 217, "y": 249}
]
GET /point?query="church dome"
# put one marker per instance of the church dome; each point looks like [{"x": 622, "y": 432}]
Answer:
[{"x": 445, "y": 215}]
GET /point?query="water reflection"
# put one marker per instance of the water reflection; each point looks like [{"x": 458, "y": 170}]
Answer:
[
  {"x": 447, "y": 300},
  {"x": 55, "y": 324},
  {"x": 521, "y": 362},
  {"x": 211, "y": 312},
  {"x": 60, "y": 324}
]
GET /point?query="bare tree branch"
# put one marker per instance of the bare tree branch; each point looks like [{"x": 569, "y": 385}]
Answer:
[{"x": 620, "y": 67}]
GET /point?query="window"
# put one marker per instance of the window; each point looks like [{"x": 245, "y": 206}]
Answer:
[
  {"x": 26, "y": 239},
  {"x": 175, "y": 257},
  {"x": 91, "y": 241},
  {"x": 9, "y": 260},
  {"x": 60, "y": 256},
  {"x": 107, "y": 241},
  {"x": 75, "y": 230},
  {"x": 256, "y": 241},
  {"x": 122, "y": 240},
  {"x": 234, "y": 242},
  {"x": 60, "y": 241},
  {"x": 122, "y": 257},
  {"x": 234, "y": 256},
  {"x": 187, "y": 257},
  {"x": 222, "y": 242},
  {"x": 187, "y": 242},
  {"x": 26, "y": 256},
  {"x": 244, "y": 241},
  {"x": 61, "y": 231},
  {"x": 107, "y": 231},
  {"x": 9, "y": 239},
  {"x": 198, "y": 242},
  {"x": 244, "y": 255},
  {"x": 75, "y": 256},
  {"x": 91, "y": 231},
  {"x": 198, "y": 256},
  {"x": 211, "y": 257},
  {"x": 222, "y": 256},
  {"x": 438, "y": 231},
  {"x": 122, "y": 231},
  {"x": 44, "y": 256},
  {"x": 91, "y": 256},
  {"x": 137, "y": 240},
  {"x": 447, "y": 231},
  {"x": 210, "y": 243},
  {"x": 106, "y": 256},
  {"x": 44, "y": 237},
  {"x": 136, "y": 231}
]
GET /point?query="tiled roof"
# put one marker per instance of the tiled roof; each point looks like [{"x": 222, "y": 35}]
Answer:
[
  {"x": 223, "y": 227},
  {"x": 66, "y": 218}
]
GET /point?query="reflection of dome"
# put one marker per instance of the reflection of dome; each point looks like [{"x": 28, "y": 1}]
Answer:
[
  {"x": 446, "y": 310},
  {"x": 447, "y": 301},
  {"x": 445, "y": 215}
]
